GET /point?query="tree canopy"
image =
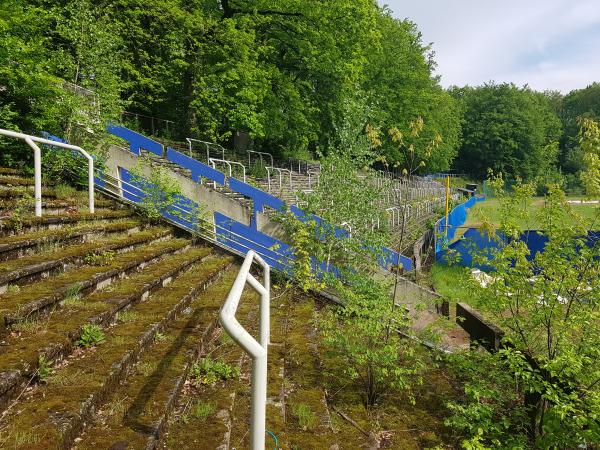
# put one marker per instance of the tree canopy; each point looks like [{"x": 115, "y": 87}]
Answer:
[{"x": 284, "y": 71}]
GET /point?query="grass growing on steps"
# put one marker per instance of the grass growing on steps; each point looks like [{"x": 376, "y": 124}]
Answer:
[
  {"x": 140, "y": 405},
  {"x": 46, "y": 292},
  {"x": 229, "y": 397},
  {"x": 61, "y": 328},
  {"x": 72, "y": 252},
  {"x": 57, "y": 411}
]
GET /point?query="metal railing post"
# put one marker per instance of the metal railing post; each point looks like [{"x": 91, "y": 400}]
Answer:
[
  {"x": 37, "y": 164},
  {"x": 257, "y": 351}
]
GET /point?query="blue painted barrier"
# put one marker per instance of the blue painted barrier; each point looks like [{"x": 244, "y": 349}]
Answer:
[
  {"x": 479, "y": 243},
  {"x": 248, "y": 234},
  {"x": 456, "y": 218},
  {"x": 136, "y": 141},
  {"x": 198, "y": 169}
]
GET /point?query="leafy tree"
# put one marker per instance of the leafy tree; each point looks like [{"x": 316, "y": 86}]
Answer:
[
  {"x": 578, "y": 103},
  {"x": 547, "y": 304},
  {"x": 506, "y": 129},
  {"x": 590, "y": 146}
]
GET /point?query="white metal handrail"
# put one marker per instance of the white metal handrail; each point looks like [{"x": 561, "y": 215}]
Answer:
[
  {"x": 207, "y": 146},
  {"x": 257, "y": 351},
  {"x": 260, "y": 155},
  {"x": 280, "y": 171},
  {"x": 213, "y": 161},
  {"x": 37, "y": 164}
]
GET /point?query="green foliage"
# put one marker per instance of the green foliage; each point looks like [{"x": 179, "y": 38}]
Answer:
[
  {"x": 100, "y": 259},
  {"x": 307, "y": 419},
  {"x": 507, "y": 129},
  {"x": 414, "y": 154},
  {"x": 580, "y": 103},
  {"x": 64, "y": 191},
  {"x": 20, "y": 211},
  {"x": 362, "y": 334},
  {"x": 200, "y": 411},
  {"x": 589, "y": 142},
  {"x": 548, "y": 308},
  {"x": 44, "y": 369},
  {"x": 208, "y": 371},
  {"x": 490, "y": 390},
  {"x": 160, "y": 190},
  {"x": 91, "y": 336}
]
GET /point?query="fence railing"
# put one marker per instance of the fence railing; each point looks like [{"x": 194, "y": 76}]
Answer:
[
  {"x": 37, "y": 164},
  {"x": 229, "y": 164},
  {"x": 280, "y": 172},
  {"x": 256, "y": 350}
]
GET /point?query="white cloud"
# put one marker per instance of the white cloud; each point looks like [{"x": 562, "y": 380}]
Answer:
[{"x": 548, "y": 44}]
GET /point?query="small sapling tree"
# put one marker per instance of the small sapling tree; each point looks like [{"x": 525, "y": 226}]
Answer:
[{"x": 548, "y": 306}]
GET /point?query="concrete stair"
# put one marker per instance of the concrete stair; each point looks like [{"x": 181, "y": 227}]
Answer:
[{"x": 150, "y": 292}]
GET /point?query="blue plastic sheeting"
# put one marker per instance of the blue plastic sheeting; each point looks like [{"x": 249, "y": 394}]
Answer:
[
  {"x": 136, "y": 141},
  {"x": 476, "y": 242},
  {"x": 197, "y": 168},
  {"x": 456, "y": 218}
]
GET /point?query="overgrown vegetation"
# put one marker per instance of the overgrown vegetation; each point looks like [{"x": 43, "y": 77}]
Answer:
[
  {"x": 541, "y": 390},
  {"x": 91, "y": 335},
  {"x": 208, "y": 371}
]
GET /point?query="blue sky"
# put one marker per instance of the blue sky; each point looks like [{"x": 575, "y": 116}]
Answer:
[{"x": 548, "y": 44}]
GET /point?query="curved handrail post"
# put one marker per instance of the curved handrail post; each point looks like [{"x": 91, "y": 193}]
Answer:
[
  {"x": 257, "y": 351},
  {"x": 37, "y": 164}
]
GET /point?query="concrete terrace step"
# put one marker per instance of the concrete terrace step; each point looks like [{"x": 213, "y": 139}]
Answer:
[
  {"x": 144, "y": 402},
  {"x": 22, "y": 270},
  {"x": 8, "y": 227},
  {"x": 10, "y": 171},
  {"x": 18, "y": 245},
  {"x": 52, "y": 415},
  {"x": 10, "y": 180},
  {"x": 227, "y": 398},
  {"x": 25, "y": 302},
  {"x": 54, "y": 335},
  {"x": 53, "y": 206}
]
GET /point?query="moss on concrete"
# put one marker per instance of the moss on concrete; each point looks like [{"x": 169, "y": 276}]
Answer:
[{"x": 55, "y": 411}]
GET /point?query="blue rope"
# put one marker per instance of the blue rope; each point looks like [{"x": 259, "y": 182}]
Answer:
[{"x": 270, "y": 433}]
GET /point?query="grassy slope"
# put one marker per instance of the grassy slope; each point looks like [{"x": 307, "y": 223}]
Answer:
[{"x": 489, "y": 210}]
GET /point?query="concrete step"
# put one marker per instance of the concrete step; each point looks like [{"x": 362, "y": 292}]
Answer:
[
  {"x": 149, "y": 395},
  {"x": 53, "y": 221},
  {"x": 23, "y": 270},
  {"x": 226, "y": 398},
  {"x": 25, "y": 303},
  {"x": 53, "y": 414},
  {"x": 53, "y": 336},
  {"x": 19, "y": 245}
]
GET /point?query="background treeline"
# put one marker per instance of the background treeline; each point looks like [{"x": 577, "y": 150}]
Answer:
[
  {"x": 299, "y": 76},
  {"x": 294, "y": 74}
]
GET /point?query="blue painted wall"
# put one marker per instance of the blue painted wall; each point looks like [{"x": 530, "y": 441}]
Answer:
[{"x": 245, "y": 236}]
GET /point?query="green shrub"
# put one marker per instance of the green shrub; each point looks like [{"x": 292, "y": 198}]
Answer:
[
  {"x": 307, "y": 419},
  {"x": 202, "y": 410},
  {"x": 91, "y": 335},
  {"x": 208, "y": 371},
  {"x": 44, "y": 370},
  {"x": 100, "y": 259},
  {"x": 64, "y": 191}
]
